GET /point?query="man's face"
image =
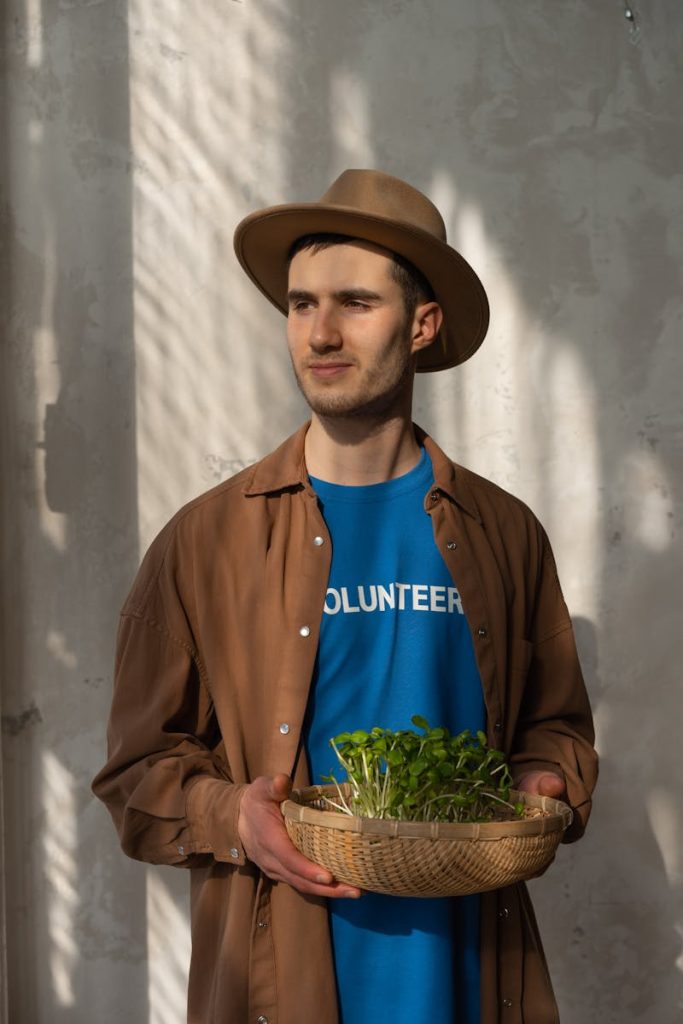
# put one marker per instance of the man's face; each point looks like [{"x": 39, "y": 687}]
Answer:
[{"x": 348, "y": 335}]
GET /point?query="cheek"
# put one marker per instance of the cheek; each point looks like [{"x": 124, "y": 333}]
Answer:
[{"x": 293, "y": 338}]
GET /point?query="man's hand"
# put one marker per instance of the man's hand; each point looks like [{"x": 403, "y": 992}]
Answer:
[
  {"x": 266, "y": 843},
  {"x": 543, "y": 784}
]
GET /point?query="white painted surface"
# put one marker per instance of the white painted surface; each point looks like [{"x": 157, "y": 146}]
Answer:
[{"x": 140, "y": 367}]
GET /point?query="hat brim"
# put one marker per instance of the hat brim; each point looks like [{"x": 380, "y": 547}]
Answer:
[{"x": 263, "y": 240}]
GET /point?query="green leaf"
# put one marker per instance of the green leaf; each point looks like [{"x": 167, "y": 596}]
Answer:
[{"x": 425, "y": 776}]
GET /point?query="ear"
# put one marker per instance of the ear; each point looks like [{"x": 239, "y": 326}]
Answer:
[{"x": 426, "y": 325}]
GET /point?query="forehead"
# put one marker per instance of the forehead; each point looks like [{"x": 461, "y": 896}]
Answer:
[{"x": 360, "y": 264}]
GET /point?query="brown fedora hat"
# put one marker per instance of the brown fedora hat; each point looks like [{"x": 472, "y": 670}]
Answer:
[{"x": 374, "y": 206}]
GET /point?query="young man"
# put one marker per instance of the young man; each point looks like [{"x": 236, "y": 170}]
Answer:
[{"x": 352, "y": 578}]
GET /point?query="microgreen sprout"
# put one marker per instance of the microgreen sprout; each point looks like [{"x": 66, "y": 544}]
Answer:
[{"x": 422, "y": 776}]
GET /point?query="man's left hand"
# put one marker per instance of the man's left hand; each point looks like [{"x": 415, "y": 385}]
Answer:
[{"x": 543, "y": 784}]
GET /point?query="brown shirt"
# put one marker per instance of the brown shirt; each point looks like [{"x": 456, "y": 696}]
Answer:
[{"x": 217, "y": 644}]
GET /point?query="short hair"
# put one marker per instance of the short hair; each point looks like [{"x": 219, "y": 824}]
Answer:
[{"x": 414, "y": 285}]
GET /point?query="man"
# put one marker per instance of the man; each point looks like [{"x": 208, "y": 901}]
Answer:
[{"x": 352, "y": 578}]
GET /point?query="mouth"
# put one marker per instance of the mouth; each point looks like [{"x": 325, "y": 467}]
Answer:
[{"x": 324, "y": 371}]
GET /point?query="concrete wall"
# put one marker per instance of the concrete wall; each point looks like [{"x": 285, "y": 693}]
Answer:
[{"x": 139, "y": 368}]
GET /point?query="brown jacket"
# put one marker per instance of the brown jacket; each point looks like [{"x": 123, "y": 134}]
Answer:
[{"x": 216, "y": 650}]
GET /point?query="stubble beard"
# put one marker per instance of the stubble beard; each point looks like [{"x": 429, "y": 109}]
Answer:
[{"x": 376, "y": 394}]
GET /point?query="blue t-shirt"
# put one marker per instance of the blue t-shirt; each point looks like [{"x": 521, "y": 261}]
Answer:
[{"x": 394, "y": 642}]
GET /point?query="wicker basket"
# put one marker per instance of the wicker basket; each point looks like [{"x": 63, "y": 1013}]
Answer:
[{"x": 413, "y": 858}]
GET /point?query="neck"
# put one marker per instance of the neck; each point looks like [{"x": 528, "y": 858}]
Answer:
[{"x": 360, "y": 450}]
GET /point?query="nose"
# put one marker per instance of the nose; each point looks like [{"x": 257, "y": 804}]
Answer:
[{"x": 325, "y": 334}]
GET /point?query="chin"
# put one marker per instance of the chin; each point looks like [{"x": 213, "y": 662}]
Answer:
[
  {"x": 352, "y": 406},
  {"x": 334, "y": 405},
  {"x": 328, "y": 401},
  {"x": 376, "y": 395}
]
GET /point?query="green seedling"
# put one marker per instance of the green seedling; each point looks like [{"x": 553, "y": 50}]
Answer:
[{"x": 422, "y": 776}]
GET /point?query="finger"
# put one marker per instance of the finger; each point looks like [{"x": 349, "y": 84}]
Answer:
[
  {"x": 336, "y": 890},
  {"x": 284, "y": 863},
  {"x": 528, "y": 784},
  {"x": 551, "y": 785},
  {"x": 285, "y": 854},
  {"x": 541, "y": 784},
  {"x": 273, "y": 851},
  {"x": 280, "y": 787},
  {"x": 283, "y": 849},
  {"x": 268, "y": 845}
]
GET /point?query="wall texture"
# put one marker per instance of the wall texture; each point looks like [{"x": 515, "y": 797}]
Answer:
[{"x": 139, "y": 368}]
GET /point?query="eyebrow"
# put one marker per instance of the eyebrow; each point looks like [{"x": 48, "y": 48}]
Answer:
[{"x": 299, "y": 295}]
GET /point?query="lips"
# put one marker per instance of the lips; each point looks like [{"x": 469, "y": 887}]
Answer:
[{"x": 323, "y": 370}]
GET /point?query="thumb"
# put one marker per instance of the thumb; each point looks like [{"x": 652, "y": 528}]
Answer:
[
  {"x": 551, "y": 785},
  {"x": 280, "y": 787}
]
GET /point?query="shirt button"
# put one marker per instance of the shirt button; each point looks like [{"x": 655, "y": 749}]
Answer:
[
  {"x": 181, "y": 849},
  {"x": 262, "y": 924},
  {"x": 482, "y": 631},
  {"x": 234, "y": 853},
  {"x": 284, "y": 728},
  {"x": 261, "y": 1020},
  {"x": 507, "y": 1003},
  {"x": 451, "y": 545},
  {"x": 504, "y": 913},
  {"x": 305, "y": 631},
  {"x": 318, "y": 541},
  {"x": 498, "y": 726}
]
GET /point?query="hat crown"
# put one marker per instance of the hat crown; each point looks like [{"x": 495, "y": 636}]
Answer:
[
  {"x": 377, "y": 194},
  {"x": 379, "y": 208}
]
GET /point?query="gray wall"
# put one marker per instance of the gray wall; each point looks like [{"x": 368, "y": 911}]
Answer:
[{"x": 139, "y": 368}]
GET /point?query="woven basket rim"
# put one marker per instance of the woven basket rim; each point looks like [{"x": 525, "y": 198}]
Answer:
[{"x": 557, "y": 817}]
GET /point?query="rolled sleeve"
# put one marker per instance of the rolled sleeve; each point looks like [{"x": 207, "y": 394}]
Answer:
[
  {"x": 213, "y": 809},
  {"x": 168, "y": 792}
]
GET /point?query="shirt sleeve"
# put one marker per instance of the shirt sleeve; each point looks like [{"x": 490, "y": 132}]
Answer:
[
  {"x": 166, "y": 782},
  {"x": 555, "y": 725}
]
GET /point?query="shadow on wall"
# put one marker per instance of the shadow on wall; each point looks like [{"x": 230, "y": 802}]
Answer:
[
  {"x": 537, "y": 128},
  {"x": 564, "y": 187},
  {"x": 69, "y": 509},
  {"x": 611, "y": 905}
]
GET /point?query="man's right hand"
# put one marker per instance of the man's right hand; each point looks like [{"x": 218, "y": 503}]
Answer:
[{"x": 264, "y": 837}]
